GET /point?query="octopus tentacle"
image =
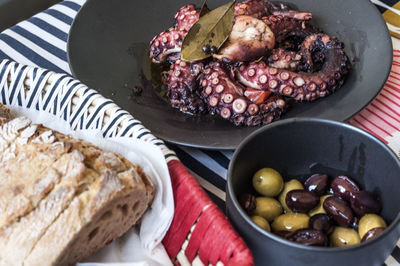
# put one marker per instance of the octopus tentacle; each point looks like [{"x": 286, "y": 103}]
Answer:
[
  {"x": 293, "y": 14},
  {"x": 284, "y": 11},
  {"x": 186, "y": 17},
  {"x": 227, "y": 98},
  {"x": 313, "y": 53},
  {"x": 289, "y": 32},
  {"x": 170, "y": 42},
  {"x": 183, "y": 87},
  {"x": 249, "y": 40},
  {"x": 260, "y": 8},
  {"x": 253, "y": 8},
  {"x": 165, "y": 44},
  {"x": 300, "y": 85},
  {"x": 284, "y": 59}
]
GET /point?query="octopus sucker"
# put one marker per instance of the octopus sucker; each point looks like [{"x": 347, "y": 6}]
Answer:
[
  {"x": 213, "y": 101},
  {"x": 228, "y": 98},
  {"x": 251, "y": 72},
  {"x": 215, "y": 81},
  {"x": 239, "y": 105},
  {"x": 225, "y": 113},
  {"x": 284, "y": 75},
  {"x": 287, "y": 90},
  {"x": 273, "y": 83},
  {"x": 253, "y": 109},
  {"x": 272, "y": 54},
  {"x": 299, "y": 81},
  {"x": 273, "y": 71},
  {"x": 263, "y": 79},
  {"x": 219, "y": 88}
]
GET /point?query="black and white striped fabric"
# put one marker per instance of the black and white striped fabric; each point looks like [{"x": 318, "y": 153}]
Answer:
[
  {"x": 61, "y": 95},
  {"x": 42, "y": 40}
]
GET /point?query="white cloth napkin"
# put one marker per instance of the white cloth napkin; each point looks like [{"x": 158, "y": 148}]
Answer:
[{"x": 139, "y": 246}]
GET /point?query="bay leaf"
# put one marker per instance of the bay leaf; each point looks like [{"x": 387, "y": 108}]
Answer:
[
  {"x": 212, "y": 29},
  {"x": 204, "y": 9}
]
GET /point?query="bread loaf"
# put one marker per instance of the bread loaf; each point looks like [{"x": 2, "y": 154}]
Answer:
[{"x": 61, "y": 199}]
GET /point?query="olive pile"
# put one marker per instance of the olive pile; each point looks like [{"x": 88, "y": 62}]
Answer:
[{"x": 318, "y": 213}]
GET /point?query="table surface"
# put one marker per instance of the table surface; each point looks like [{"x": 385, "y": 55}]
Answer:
[
  {"x": 13, "y": 11},
  {"x": 41, "y": 41}
]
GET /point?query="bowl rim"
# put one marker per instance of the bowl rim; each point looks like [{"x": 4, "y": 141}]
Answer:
[{"x": 281, "y": 240}]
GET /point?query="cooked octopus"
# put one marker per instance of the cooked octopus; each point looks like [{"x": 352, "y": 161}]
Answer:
[{"x": 273, "y": 54}]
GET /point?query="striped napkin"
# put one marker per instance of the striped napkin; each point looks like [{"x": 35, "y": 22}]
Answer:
[{"x": 382, "y": 116}]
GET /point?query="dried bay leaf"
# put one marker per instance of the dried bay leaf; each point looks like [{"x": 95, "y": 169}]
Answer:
[
  {"x": 212, "y": 29},
  {"x": 204, "y": 9}
]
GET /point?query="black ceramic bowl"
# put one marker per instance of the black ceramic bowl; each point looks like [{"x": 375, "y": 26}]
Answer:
[{"x": 298, "y": 148}]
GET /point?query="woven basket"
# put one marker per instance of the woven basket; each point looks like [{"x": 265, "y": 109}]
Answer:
[{"x": 199, "y": 233}]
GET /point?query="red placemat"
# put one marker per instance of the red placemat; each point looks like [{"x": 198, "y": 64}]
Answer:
[{"x": 382, "y": 116}]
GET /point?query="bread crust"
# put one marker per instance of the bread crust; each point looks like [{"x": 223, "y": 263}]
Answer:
[{"x": 61, "y": 198}]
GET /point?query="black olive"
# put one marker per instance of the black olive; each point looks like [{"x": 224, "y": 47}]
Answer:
[
  {"x": 206, "y": 49},
  {"x": 213, "y": 50}
]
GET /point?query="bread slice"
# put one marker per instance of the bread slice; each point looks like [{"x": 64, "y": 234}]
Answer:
[
  {"x": 61, "y": 199},
  {"x": 26, "y": 173}
]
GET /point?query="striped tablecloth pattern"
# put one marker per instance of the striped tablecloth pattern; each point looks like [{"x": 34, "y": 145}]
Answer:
[{"x": 42, "y": 41}]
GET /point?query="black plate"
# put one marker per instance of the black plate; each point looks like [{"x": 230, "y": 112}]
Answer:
[{"x": 108, "y": 51}]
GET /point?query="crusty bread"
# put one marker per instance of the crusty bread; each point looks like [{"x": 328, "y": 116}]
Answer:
[{"x": 61, "y": 199}]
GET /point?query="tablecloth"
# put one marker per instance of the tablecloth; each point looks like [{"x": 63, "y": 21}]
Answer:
[{"x": 42, "y": 41}]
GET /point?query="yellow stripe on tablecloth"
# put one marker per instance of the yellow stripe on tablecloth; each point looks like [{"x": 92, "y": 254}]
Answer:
[{"x": 393, "y": 18}]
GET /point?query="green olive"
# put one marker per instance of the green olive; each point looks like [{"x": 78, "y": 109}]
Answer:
[
  {"x": 288, "y": 186},
  {"x": 342, "y": 236},
  {"x": 261, "y": 222},
  {"x": 268, "y": 182},
  {"x": 368, "y": 222},
  {"x": 267, "y": 207},
  {"x": 290, "y": 222},
  {"x": 319, "y": 208}
]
